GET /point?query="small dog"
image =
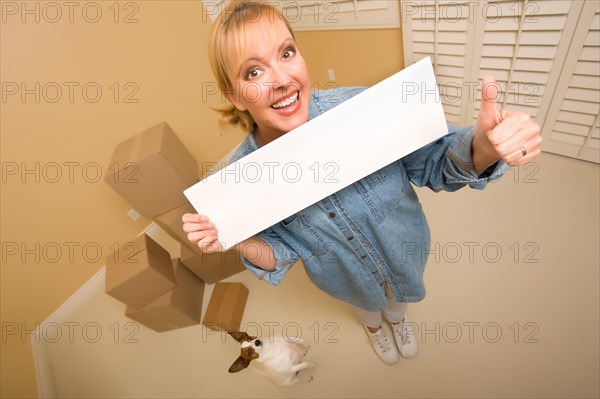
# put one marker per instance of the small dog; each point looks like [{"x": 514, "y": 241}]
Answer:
[{"x": 278, "y": 359}]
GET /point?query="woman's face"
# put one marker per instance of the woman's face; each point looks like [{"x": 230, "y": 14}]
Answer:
[{"x": 272, "y": 83}]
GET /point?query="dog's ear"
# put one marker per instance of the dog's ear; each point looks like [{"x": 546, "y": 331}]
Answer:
[
  {"x": 239, "y": 364},
  {"x": 239, "y": 336}
]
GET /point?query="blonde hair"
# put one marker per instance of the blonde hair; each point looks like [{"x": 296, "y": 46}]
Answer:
[{"x": 229, "y": 32}]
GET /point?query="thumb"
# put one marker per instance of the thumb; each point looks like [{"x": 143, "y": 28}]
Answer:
[{"x": 489, "y": 94}]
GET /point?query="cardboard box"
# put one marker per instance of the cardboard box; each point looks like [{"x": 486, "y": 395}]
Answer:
[
  {"x": 226, "y": 307},
  {"x": 212, "y": 267},
  {"x": 180, "y": 307},
  {"x": 151, "y": 169},
  {"x": 139, "y": 272},
  {"x": 171, "y": 223},
  {"x": 209, "y": 267}
]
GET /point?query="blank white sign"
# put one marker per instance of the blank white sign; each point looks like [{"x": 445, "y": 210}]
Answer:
[{"x": 363, "y": 134}]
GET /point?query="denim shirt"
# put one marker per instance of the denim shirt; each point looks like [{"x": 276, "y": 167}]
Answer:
[{"x": 373, "y": 233}]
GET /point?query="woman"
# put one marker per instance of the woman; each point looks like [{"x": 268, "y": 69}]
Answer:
[{"x": 355, "y": 243}]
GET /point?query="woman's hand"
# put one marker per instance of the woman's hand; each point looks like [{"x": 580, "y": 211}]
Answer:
[
  {"x": 510, "y": 136},
  {"x": 204, "y": 234},
  {"x": 201, "y": 232}
]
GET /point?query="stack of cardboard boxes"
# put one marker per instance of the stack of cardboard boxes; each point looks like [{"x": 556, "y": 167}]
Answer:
[{"x": 151, "y": 170}]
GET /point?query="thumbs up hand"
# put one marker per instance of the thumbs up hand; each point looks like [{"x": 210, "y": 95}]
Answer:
[{"x": 510, "y": 136}]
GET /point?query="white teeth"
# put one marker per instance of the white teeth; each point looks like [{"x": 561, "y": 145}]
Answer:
[{"x": 286, "y": 102}]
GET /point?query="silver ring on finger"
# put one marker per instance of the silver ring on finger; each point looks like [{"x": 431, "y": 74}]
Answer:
[{"x": 523, "y": 150}]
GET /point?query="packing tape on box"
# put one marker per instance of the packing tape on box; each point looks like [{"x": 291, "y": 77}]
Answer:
[{"x": 339, "y": 147}]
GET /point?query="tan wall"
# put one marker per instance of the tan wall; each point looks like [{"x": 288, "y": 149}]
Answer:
[
  {"x": 160, "y": 62},
  {"x": 358, "y": 57}
]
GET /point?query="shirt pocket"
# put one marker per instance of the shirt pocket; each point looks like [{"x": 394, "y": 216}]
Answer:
[
  {"x": 383, "y": 190},
  {"x": 306, "y": 235}
]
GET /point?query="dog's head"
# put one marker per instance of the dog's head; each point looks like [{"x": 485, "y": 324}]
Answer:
[{"x": 251, "y": 348}]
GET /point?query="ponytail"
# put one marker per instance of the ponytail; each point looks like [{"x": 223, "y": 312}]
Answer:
[{"x": 232, "y": 116}]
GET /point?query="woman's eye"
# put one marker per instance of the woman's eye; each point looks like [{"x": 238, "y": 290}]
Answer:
[
  {"x": 289, "y": 53},
  {"x": 253, "y": 73}
]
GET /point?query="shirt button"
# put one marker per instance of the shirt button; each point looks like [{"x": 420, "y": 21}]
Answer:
[
  {"x": 332, "y": 214},
  {"x": 350, "y": 238}
]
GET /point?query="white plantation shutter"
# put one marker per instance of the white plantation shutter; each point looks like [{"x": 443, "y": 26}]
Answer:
[
  {"x": 443, "y": 31},
  {"x": 519, "y": 49},
  {"x": 544, "y": 54},
  {"x": 340, "y": 14},
  {"x": 332, "y": 14},
  {"x": 572, "y": 127}
]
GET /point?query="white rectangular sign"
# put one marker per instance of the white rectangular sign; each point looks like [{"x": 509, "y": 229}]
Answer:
[{"x": 363, "y": 134}]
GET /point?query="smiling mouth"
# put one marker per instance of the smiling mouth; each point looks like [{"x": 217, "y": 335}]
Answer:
[{"x": 288, "y": 102}]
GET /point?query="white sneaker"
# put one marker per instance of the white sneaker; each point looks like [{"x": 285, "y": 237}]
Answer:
[
  {"x": 405, "y": 339},
  {"x": 382, "y": 346}
]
